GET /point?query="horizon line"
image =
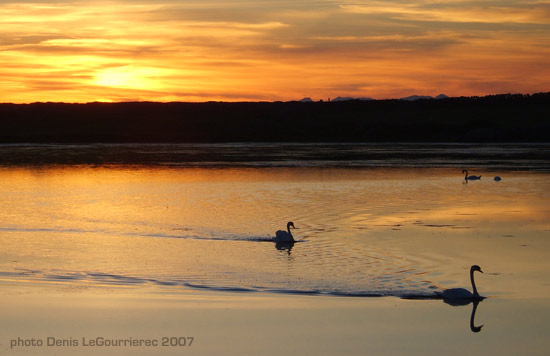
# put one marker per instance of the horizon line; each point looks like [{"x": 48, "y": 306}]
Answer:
[{"x": 413, "y": 97}]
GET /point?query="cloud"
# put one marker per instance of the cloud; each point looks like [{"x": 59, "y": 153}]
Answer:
[
  {"x": 528, "y": 12},
  {"x": 238, "y": 50}
]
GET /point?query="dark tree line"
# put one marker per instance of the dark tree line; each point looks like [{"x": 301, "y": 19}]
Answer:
[{"x": 497, "y": 118}]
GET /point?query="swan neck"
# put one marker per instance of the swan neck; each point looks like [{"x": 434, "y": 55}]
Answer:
[
  {"x": 476, "y": 294},
  {"x": 466, "y": 176},
  {"x": 288, "y": 229}
]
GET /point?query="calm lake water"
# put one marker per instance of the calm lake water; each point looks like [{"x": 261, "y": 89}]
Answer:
[{"x": 382, "y": 225}]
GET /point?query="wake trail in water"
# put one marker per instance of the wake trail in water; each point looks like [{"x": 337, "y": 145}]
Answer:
[
  {"x": 243, "y": 238},
  {"x": 324, "y": 266},
  {"x": 100, "y": 279}
]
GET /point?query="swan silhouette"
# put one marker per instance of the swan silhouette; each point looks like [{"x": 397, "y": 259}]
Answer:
[
  {"x": 461, "y": 296},
  {"x": 285, "y": 236},
  {"x": 467, "y": 177},
  {"x": 497, "y": 179}
]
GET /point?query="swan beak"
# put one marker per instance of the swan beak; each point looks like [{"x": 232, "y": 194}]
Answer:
[{"x": 480, "y": 270}]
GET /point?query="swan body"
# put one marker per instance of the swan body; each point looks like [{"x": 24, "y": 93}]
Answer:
[
  {"x": 497, "y": 179},
  {"x": 285, "y": 236},
  {"x": 467, "y": 177},
  {"x": 457, "y": 293},
  {"x": 461, "y": 296}
]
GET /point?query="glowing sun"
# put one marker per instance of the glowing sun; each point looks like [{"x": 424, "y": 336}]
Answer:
[{"x": 142, "y": 78}]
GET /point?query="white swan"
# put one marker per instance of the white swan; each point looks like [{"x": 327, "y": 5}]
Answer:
[
  {"x": 467, "y": 177},
  {"x": 461, "y": 296},
  {"x": 285, "y": 236}
]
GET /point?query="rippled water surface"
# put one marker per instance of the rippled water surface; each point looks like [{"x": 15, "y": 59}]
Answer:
[
  {"x": 369, "y": 231},
  {"x": 149, "y": 241}
]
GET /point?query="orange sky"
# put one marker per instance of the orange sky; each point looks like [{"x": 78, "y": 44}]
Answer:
[{"x": 168, "y": 50}]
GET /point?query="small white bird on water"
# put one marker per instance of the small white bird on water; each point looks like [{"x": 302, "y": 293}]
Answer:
[
  {"x": 285, "y": 236},
  {"x": 461, "y": 296}
]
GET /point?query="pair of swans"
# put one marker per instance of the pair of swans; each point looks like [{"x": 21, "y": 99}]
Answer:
[{"x": 472, "y": 177}]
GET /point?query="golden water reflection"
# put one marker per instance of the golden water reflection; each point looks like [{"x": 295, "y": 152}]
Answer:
[{"x": 365, "y": 230}]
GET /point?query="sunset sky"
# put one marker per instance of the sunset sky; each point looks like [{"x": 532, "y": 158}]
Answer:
[{"x": 191, "y": 50}]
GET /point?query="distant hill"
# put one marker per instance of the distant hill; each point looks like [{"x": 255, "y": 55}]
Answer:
[
  {"x": 340, "y": 98},
  {"x": 424, "y": 97},
  {"x": 496, "y": 118},
  {"x": 416, "y": 97}
]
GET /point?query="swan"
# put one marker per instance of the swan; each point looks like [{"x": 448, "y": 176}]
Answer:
[
  {"x": 467, "y": 177},
  {"x": 461, "y": 296},
  {"x": 285, "y": 236},
  {"x": 497, "y": 179}
]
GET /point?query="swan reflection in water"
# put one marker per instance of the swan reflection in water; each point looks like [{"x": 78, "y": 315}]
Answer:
[
  {"x": 474, "y": 328},
  {"x": 284, "y": 246},
  {"x": 475, "y": 303},
  {"x": 461, "y": 296}
]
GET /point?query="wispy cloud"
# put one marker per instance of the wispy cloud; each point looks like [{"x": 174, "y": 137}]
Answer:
[{"x": 520, "y": 12}]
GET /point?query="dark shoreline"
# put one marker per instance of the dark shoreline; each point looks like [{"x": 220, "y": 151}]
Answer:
[
  {"x": 497, "y": 118},
  {"x": 484, "y": 156}
]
